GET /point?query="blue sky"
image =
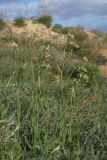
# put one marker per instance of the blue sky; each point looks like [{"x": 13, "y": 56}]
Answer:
[{"x": 90, "y": 14}]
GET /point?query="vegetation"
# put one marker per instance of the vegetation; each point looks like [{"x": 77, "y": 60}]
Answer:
[
  {"x": 98, "y": 32},
  {"x": 46, "y": 20},
  {"x": 50, "y": 108},
  {"x": 60, "y": 29},
  {"x": 86, "y": 47},
  {"x": 81, "y": 45},
  {"x": 57, "y": 28},
  {"x": 2, "y": 23},
  {"x": 65, "y": 30},
  {"x": 19, "y": 22}
]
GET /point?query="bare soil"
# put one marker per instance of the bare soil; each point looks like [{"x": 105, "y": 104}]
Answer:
[
  {"x": 103, "y": 68},
  {"x": 40, "y": 30}
]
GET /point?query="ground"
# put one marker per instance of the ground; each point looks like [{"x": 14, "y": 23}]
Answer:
[{"x": 103, "y": 68}]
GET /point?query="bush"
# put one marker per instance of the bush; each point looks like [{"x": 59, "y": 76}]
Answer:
[
  {"x": 46, "y": 20},
  {"x": 2, "y": 24},
  {"x": 79, "y": 34},
  {"x": 66, "y": 30},
  {"x": 76, "y": 36},
  {"x": 57, "y": 28},
  {"x": 19, "y": 22},
  {"x": 88, "y": 74},
  {"x": 73, "y": 30},
  {"x": 79, "y": 43},
  {"x": 60, "y": 29}
]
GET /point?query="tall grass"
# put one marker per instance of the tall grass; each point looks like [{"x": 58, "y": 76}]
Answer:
[{"x": 48, "y": 115}]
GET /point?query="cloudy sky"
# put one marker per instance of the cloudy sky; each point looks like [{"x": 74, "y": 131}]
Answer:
[{"x": 87, "y": 13}]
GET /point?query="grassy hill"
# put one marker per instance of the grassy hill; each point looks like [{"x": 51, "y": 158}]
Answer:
[{"x": 52, "y": 95}]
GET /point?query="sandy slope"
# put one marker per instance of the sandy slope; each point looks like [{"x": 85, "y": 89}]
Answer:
[
  {"x": 45, "y": 33},
  {"x": 40, "y": 30}
]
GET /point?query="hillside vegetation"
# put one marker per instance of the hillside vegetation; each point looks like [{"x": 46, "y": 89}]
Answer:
[{"x": 52, "y": 95}]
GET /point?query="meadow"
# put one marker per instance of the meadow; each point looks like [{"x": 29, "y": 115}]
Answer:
[{"x": 50, "y": 108}]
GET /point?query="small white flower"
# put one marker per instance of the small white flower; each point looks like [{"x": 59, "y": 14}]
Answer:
[{"x": 85, "y": 59}]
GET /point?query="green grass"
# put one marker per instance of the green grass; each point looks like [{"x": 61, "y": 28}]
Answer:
[{"x": 47, "y": 115}]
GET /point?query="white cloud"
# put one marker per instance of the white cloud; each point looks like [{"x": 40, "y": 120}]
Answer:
[
  {"x": 19, "y": 8},
  {"x": 89, "y": 13},
  {"x": 74, "y": 8}
]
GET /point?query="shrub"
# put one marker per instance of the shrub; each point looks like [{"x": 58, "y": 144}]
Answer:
[
  {"x": 81, "y": 45},
  {"x": 46, "y": 20},
  {"x": 71, "y": 44},
  {"x": 73, "y": 30},
  {"x": 57, "y": 28},
  {"x": 88, "y": 74},
  {"x": 60, "y": 29},
  {"x": 65, "y": 30},
  {"x": 19, "y": 22},
  {"x": 2, "y": 24},
  {"x": 78, "y": 36}
]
